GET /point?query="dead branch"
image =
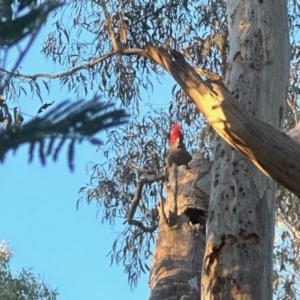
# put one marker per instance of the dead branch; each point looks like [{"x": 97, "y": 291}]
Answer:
[{"x": 136, "y": 200}]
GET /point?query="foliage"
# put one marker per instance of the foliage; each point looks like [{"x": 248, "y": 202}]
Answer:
[
  {"x": 24, "y": 286},
  {"x": 13, "y": 30},
  {"x": 75, "y": 122},
  {"x": 287, "y": 246},
  {"x": 22, "y": 20},
  {"x": 82, "y": 44},
  {"x": 113, "y": 184},
  {"x": 84, "y": 38}
]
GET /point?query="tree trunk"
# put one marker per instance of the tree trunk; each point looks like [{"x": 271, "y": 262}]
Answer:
[
  {"x": 240, "y": 225},
  {"x": 279, "y": 159},
  {"x": 177, "y": 262}
]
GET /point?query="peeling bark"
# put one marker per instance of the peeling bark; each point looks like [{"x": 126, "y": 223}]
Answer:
[{"x": 177, "y": 262}]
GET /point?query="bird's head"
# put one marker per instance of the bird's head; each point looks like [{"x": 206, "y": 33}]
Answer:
[{"x": 176, "y": 135}]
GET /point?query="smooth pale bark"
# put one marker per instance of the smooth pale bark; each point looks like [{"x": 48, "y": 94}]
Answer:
[
  {"x": 177, "y": 262},
  {"x": 240, "y": 227}
]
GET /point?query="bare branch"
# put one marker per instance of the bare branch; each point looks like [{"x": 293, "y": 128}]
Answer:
[
  {"x": 88, "y": 65},
  {"x": 136, "y": 200}
]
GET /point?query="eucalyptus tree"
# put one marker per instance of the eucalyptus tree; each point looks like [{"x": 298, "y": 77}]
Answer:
[
  {"x": 25, "y": 285},
  {"x": 230, "y": 60}
]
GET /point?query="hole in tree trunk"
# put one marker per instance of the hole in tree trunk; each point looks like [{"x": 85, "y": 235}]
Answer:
[{"x": 196, "y": 216}]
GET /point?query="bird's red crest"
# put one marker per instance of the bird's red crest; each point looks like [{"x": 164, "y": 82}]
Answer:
[{"x": 175, "y": 134}]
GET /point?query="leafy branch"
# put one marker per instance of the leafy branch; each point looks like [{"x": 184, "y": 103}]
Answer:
[
  {"x": 67, "y": 121},
  {"x": 12, "y": 31}
]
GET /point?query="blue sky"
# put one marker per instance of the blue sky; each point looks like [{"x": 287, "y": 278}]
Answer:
[
  {"x": 38, "y": 213},
  {"x": 39, "y": 218}
]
